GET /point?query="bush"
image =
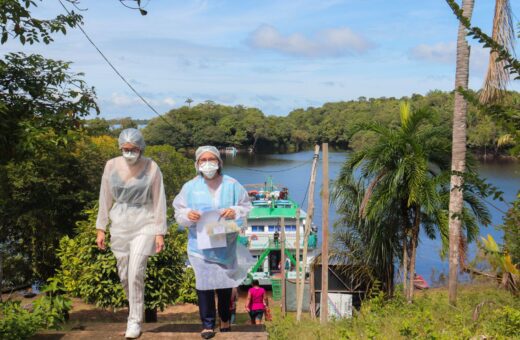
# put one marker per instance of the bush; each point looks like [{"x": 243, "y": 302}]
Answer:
[
  {"x": 91, "y": 274},
  {"x": 48, "y": 311},
  {"x": 17, "y": 322},
  {"x": 482, "y": 312}
]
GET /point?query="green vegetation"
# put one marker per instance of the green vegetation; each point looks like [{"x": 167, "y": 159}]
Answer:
[
  {"x": 482, "y": 311},
  {"x": 394, "y": 187},
  {"x": 48, "y": 311},
  {"x": 47, "y": 179},
  {"x": 91, "y": 274},
  {"x": 220, "y": 125}
]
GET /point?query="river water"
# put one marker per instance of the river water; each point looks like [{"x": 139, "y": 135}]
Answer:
[{"x": 292, "y": 170}]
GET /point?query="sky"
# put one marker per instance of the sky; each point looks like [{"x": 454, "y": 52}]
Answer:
[{"x": 277, "y": 56}]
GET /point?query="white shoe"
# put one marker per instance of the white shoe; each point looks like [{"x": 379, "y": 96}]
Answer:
[{"x": 133, "y": 331}]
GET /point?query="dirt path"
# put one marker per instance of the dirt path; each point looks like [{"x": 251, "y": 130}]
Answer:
[{"x": 175, "y": 322}]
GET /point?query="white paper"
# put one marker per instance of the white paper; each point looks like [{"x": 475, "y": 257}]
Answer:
[{"x": 206, "y": 236}]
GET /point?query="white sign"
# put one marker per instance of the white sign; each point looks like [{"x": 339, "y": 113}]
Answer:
[
  {"x": 340, "y": 305},
  {"x": 206, "y": 236}
]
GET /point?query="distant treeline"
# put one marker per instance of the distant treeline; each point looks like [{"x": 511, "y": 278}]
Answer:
[{"x": 243, "y": 127}]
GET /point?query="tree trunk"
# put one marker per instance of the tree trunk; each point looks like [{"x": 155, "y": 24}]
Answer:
[
  {"x": 405, "y": 265},
  {"x": 458, "y": 155},
  {"x": 1, "y": 274},
  {"x": 414, "y": 241}
]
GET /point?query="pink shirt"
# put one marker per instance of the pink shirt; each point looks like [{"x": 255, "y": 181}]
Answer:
[{"x": 257, "y": 298}]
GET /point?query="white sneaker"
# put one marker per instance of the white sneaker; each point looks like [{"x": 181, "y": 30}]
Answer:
[{"x": 133, "y": 331}]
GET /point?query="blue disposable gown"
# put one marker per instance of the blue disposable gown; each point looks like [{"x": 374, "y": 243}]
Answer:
[{"x": 217, "y": 268}]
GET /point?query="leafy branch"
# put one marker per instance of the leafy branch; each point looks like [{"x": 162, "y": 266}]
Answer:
[{"x": 512, "y": 64}]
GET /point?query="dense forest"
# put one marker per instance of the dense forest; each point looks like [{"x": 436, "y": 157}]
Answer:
[{"x": 243, "y": 127}]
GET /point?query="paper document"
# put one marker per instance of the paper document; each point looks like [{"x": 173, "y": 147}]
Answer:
[{"x": 210, "y": 231}]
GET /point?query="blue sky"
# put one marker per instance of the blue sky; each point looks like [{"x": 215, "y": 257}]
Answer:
[{"x": 274, "y": 55}]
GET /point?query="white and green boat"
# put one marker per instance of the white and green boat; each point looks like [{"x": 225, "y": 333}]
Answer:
[{"x": 262, "y": 233}]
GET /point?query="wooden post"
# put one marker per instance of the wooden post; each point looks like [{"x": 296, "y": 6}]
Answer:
[
  {"x": 324, "y": 304},
  {"x": 312, "y": 300},
  {"x": 298, "y": 271},
  {"x": 308, "y": 222},
  {"x": 282, "y": 265}
]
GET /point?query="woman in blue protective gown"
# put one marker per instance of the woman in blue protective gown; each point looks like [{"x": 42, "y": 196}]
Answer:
[{"x": 224, "y": 267}]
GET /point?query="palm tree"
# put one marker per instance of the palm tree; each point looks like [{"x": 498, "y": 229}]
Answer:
[
  {"x": 458, "y": 158},
  {"x": 402, "y": 186},
  {"x": 497, "y": 77},
  {"x": 367, "y": 248},
  {"x": 189, "y": 101},
  {"x": 398, "y": 170}
]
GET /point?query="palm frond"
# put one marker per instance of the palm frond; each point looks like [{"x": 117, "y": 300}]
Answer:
[{"x": 497, "y": 77}]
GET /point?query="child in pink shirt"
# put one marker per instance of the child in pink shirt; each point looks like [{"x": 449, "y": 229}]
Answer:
[{"x": 256, "y": 302}]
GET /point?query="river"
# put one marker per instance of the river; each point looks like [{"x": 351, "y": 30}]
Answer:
[{"x": 292, "y": 170}]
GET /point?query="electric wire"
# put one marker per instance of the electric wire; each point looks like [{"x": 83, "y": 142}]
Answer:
[{"x": 116, "y": 71}]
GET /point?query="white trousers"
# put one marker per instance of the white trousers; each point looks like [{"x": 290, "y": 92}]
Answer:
[{"x": 131, "y": 266}]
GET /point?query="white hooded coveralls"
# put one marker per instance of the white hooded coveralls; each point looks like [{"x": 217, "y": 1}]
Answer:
[{"x": 132, "y": 197}]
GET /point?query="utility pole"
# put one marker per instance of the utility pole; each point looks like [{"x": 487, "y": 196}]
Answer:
[
  {"x": 282, "y": 266},
  {"x": 324, "y": 301},
  {"x": 308, "y": 222}
]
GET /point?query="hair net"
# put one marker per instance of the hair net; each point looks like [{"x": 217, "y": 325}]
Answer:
[
  {"x": 208, "y": 148},
  {"x": 132, "y": 136}
]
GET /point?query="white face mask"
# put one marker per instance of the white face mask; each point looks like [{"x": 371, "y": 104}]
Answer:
[
  {"x": 130, "y": 157},
  {"x": 209, "y": 169}
]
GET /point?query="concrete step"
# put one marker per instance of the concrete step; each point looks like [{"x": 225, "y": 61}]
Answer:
[{"x": 102, "y": 331}]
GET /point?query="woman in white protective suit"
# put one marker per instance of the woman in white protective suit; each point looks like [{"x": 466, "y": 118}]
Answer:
[
  {"x": 132, "y": 197},
  {"x": 224, "y": 266}
]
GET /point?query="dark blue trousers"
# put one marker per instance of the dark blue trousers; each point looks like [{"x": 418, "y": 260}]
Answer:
[{"x": 207, "y": 309}]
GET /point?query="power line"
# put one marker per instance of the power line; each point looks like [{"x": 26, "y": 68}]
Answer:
[{"x": 116, "y": 71}]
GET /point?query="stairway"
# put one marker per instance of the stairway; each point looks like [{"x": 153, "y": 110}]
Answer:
[{"x": 160, "y": 330}]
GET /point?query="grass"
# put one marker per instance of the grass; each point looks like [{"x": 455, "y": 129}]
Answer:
[{"x": 482, "y": 312}]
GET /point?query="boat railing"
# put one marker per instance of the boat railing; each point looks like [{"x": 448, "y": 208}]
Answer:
[{"x": 257, "y": 242}]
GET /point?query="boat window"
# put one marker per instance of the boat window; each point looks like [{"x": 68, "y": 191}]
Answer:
[
  {"x": 273, "y": 228},
  {"x": 257, "y": 228}
]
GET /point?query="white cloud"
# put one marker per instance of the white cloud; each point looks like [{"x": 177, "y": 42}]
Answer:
[
  {"x": 440, "y": 53},
  {"x": 123, "y": 100},
  {"x": 169, "y": 101},
  {"x": 332, "y": 42},
  {"x": 446, "y": 53}
]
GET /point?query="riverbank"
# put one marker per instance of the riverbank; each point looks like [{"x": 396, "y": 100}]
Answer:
[{"x": 482, "y": 312}]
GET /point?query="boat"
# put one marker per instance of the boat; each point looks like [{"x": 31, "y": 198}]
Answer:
[
  {"x": 262, "y": 233},
  {"x": 231, "y": 150}
]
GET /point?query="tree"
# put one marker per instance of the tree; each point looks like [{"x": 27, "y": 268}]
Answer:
[
  {"x": 45, "y": 185},
  {"x": 16, "y": 21},
  {"x": 175, "y": 168},
  {"x": 458, "y": 154},
  {"x": 188, "y": 101},
  {"x": 403, "y": 183},
  {"x": 38, "y": 93}
]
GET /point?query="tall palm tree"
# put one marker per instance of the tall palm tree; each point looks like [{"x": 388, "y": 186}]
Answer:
[
  {"x": 398, "y": 170},
  {"x": 458, "y": 156},
  {"x": 389, "y": 190},
  {"x": 188, "y": 101}
]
